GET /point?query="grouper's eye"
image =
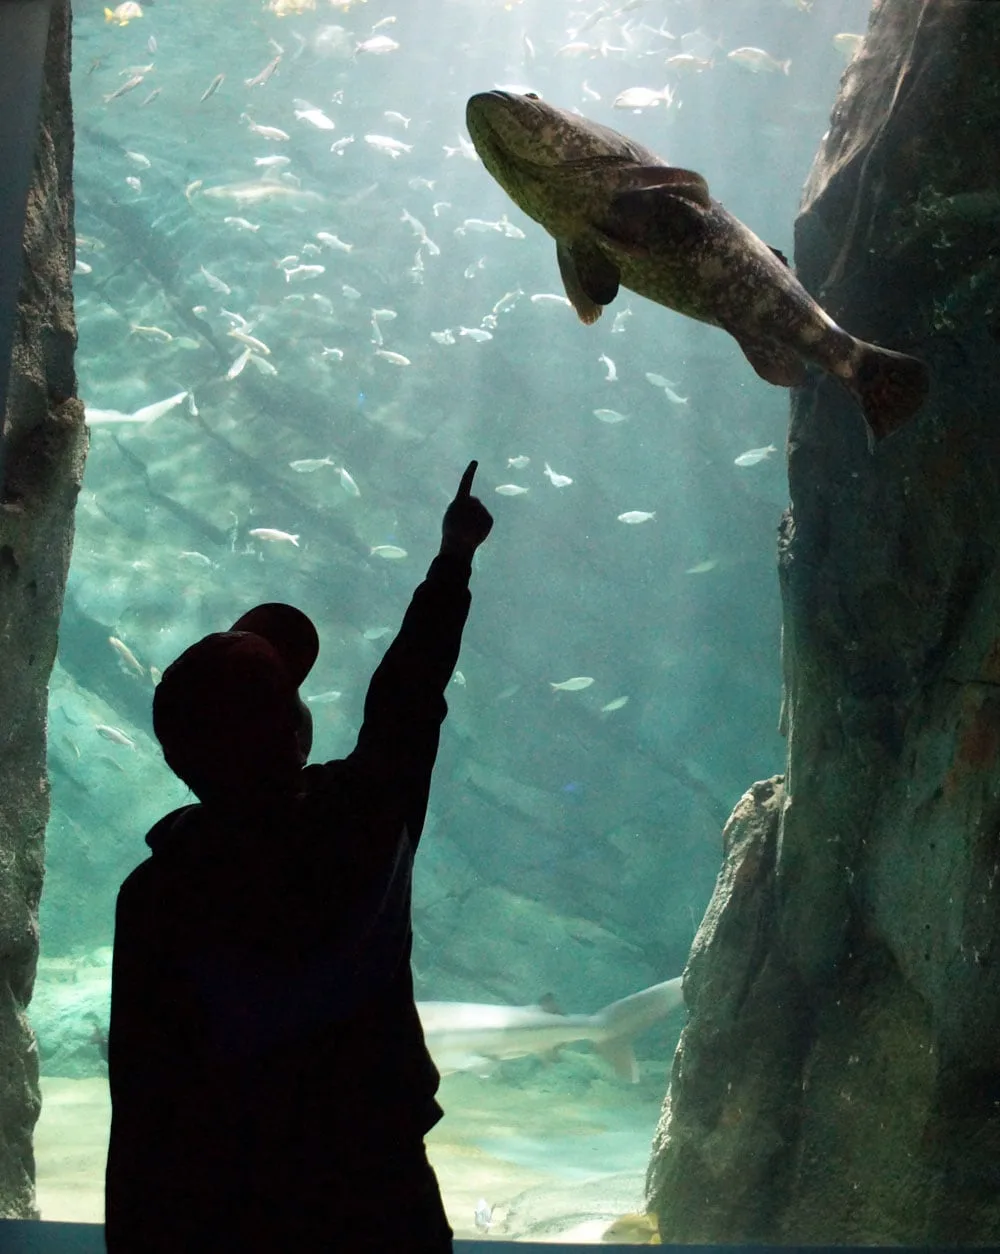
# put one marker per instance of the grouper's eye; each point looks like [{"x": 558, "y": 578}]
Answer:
[{"x": 532, "y": 95}]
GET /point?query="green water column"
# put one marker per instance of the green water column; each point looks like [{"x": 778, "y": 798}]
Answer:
[{"x": 42, "y": 449}]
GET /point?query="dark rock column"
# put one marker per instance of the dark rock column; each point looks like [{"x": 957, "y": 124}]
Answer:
[
  {"x": 839, "y": 1080},
  {"x": 44, "y": 444}
]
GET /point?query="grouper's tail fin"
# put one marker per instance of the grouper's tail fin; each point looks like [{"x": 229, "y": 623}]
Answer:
[{"x": 890, "y": 388}]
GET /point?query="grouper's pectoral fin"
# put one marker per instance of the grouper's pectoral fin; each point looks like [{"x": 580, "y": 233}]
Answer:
[
  {"x": 644, "y": 220},
  {"x": 775, "y": 363},
  {"x": 688, "y": 184},
  {"x": 590, "y": 278}
]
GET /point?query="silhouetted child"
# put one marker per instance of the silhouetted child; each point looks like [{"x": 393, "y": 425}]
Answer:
[{"x": 270, "y": 1084}]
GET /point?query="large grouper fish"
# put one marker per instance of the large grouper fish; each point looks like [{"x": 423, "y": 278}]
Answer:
[{"x": 622, "y": 217}]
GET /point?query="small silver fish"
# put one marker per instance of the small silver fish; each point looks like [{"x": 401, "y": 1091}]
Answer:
[
  {"x": 126, "y": 656},
  {"x": 324, "y": 698},
  {"x": 347, "y": 482},
  {"x": 385, "y": 143},
  {"x": 265, "y": 132},
  {"x": 658, "y": 381},
  {"x": 128, "y": 86},
  {"x": 557, "y": 480},
  {"x": 274, "y": 536},
  {"x": 643, "y": 98},
  {"x": 261, "y": 364},
  {"x": 249, "y": 340},
  {"x": 333, "y": 241},
  {"x": 307, "y": 465},
  {"x": 378, "y": 45},
  {"x": 295, "y": 273},
  {"x": 507, "y": 301},
  {"x": 150, "y": 333},
  {"x": 241, "y": 224},
  {"x": 315, "y": 117},
  {"x": 754, "y": 455},
  {"x": 260, "y": 79},
  {"x": 756, "y": 60},
  {"x": 215, "y": 283},
  {"x": 576, "y": 684},
  {"x": 213, "y": 87},
  {"x": 236, "y": 369}
]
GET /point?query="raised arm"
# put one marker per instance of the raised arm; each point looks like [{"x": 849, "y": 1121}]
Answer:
[{"x": 405, "y": 705}]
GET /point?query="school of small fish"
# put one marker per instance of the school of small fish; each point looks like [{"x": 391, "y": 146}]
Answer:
[{"x": 347, "y": 241}]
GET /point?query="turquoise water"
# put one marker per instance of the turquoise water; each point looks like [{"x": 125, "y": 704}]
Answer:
[{"x": 403, "y": 316}]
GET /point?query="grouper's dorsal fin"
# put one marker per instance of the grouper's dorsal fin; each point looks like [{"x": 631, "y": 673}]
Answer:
[
  {"x": 590, "y": 278},
  {"x": 686, "y": 183}
]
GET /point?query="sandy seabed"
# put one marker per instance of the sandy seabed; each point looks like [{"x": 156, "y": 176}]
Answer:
[{"x": 558, "y": 1160}]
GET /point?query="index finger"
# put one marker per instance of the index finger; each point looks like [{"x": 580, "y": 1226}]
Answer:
[{"x": 465, "y": 487}]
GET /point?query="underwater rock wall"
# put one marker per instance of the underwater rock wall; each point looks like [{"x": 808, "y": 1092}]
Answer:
[
  {"x": 838, "y": 1080},
  {"x": 44, "y": 447}
]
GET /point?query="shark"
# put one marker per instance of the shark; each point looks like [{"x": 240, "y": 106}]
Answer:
[
  {"x": 622, "y": 217},
  {"x": 470, "y": 1036}
]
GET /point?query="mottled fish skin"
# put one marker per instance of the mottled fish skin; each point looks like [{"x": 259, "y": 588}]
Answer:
[{"x": 621, "y": 216}]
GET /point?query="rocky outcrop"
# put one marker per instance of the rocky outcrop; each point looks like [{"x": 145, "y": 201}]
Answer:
[
  {"x": 838, "y": 1079},
  {"x": 44, "y": 443}
]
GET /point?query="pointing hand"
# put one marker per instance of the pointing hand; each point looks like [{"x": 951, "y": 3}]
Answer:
[{"x": 467, "y": 521}]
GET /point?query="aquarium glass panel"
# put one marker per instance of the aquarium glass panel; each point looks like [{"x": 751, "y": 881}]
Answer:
[{"x": 304, "y": 306}]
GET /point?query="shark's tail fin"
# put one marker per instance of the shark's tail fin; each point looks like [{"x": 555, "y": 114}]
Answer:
[
  {"x": 890, "y": 387},
  {"x": 624, "y": 1020},
  {"x": 619, "y": 1053}
]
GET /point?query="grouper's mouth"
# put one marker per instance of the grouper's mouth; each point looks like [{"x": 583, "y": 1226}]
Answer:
[
  {"x": 513, "y": 132},
  {"x": 497, "y": 123}
]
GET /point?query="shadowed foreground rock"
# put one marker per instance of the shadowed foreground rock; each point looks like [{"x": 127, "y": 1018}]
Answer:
[
  {"x": 44, "y": 445},
  {"x": 839, "y": 1080}
]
